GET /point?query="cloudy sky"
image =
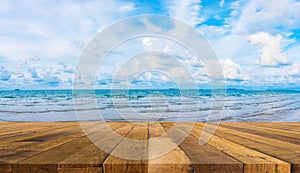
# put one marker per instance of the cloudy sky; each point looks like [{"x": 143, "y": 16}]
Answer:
[{"x": 257, "y": 42}]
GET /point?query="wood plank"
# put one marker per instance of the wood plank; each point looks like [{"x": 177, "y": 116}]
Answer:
[
  {"x": 261, "y": 147},
  {"x": 92, "y": 155},
  {"x": 267, "y": 140},
  {"x": 46, "y": 143},
  {"x": 174, "y": 160},
  {"x": 283, "y": 135},
  {"x": 80, "y": 170},
  {"x": 21, "y": 141},
  {"x": 253, "y": 160},
  {"x": 6, "y": 167},
  {"x": 53, "y": 138},
  {"x": 290, "y": 126},
  {"x": 5, "y": 122},
  {"x": 13, "y": 156},
  {"x": 14, "y": 153},
  {"x": 29, "y": 127},
  {"x": 204, "y": 157},
  {"x": 17, "y": 126},
  {"x": 279, "y": 152},
  {"x": 295, "y": 168},
  {"x": 50, "y": 158},
  {"x": 128, "y": 150},
  {"x": 49, "y": 142},
  {"x": 277, "y": 126},
  {"x": 38, "y": 168}
]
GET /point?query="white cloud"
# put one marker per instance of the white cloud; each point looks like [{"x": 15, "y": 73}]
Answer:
[
  {"x": 152, "y": 79},
  {"x": 232, "y": 70},
  {"x": 33, "y": 73},
  {"x": 51, "y": 80},
  {"x": 275, "y": 47},
  {"x": 66, "y": 68},
  {"x": 148, "y": 42},
  {"x": 127, "y": 7},
  {"x": 256, "y": 32},
  {"x": 186, "y": 10},
  {"x": 159, "y": 44},
  {"x": 257, "y": 16},
  {"x": 4, "y": 74},
  {"x": 221, "y": 3},
  {"x": 49, "y": 29},
  {"x": 293, "y": 70},
  {"x": 293, "y": 51},
  {"x": 270, "y": 52},
  {"x": 35, "y": 36},
  {"x": 142, "y": 64},
  {"x": 52, "y": 29}
]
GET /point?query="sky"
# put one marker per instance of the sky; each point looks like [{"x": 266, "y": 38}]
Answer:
[{"x": 257, "y": 42}]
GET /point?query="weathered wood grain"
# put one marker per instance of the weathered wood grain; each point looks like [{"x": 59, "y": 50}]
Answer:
[
  {"x": 205, "y": 157},
  {"x": 252, "y": 159},
  {"x": 10, "y": 130},
  {"x": 5, "y": 167},
  {"x": 92, "y": 155},
  {"x": 129, "y": 156},
  {"x": 18, "y": 142},
  {"x": 283, "y": 135},
  {"x": 53, "y": 156},
  {"x": 63, "y": 147},
  {"x": 80, "y": 170},
  {"x": 269, "y": 148},
  {"x": 164, "y": 154},
  {"x": 290, "y": 126}
]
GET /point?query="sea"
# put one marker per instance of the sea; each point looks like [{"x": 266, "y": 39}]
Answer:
[{"x": 236, "y": 105}]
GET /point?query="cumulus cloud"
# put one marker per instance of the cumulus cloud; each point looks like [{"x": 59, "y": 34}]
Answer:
[
  {"x": 172, "y": 48},
  {"x": 104, "y": 79},
  {"x": 255, "y": 31},
  {"x": 4, "y": 74},
  {"x": 256, "y": 15},
  {"x": 186, "y": 10},
  {"x": 152, "y": 79},
  {"x": 152, "y": 43},
  {"x": 33, "y": 73},
  {"x": 270, "y": 52},
  {"x": 158, "y": 62},
  {"x": 293, "y": 70},
  {"x": 47, "y": 28},
  {"x": 66, "y": 68},
  {"x": 36, "y": 36},
  {"x": 51, "y": 80},
  {"x": 159, "y": 44},
  {"x": 233, "y": 71}
]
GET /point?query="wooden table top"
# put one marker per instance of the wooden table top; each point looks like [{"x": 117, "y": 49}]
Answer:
[{"x": 63, "y": 147}]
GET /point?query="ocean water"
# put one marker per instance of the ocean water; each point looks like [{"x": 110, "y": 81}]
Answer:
[{"x": 149, "y": 105}]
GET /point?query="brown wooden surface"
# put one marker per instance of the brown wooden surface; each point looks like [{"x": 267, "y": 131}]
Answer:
[
  {"x": 63, "y": 147},
  {"x": 252, "y": 159},
  {"x": 173, "y": 158},
  {"x": 205, "y": 158},
  {"x": 133, "y": 149}
]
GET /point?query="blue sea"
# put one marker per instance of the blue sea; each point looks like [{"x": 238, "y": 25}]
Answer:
[{"x": 148, "y": 105}]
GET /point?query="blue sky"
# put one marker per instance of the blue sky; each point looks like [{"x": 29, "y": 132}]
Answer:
[{"x": 257, "y": 42}]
